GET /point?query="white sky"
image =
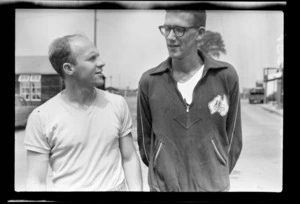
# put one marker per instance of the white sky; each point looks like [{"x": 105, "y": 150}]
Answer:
[{"x": 130, "y": 43}]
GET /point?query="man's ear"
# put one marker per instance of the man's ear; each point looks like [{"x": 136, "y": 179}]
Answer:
[
  {"x": 68, "y": 69},
  {"x": 201, "y": 33}
]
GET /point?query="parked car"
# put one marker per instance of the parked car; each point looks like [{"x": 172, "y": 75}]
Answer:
[{"x": 22, "y": 111}]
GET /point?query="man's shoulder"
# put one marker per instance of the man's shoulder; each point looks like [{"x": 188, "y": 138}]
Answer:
[
  {"x": 48, "y": 107},
  {"x": 115, "y": 101},
  {"x": 219, "y": 63},
  {"x": 151, "y": 70},
  {"x": 229, "y": 68},
  {"x": 110, "y": 97},
  {"x": 148, "y": 73},
  {"x": 49, "y": 104}
]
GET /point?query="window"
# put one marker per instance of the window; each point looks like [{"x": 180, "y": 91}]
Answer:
[
  {"x": 30, "y": 87},
  {"x": 35, "y": 81},
  {"x": 25, "y": 86}
]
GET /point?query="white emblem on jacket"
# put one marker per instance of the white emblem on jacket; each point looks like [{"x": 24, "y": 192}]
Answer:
[{"x": 219, "y": 104}]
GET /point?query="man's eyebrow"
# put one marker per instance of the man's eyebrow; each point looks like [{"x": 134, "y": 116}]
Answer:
[{"x": 93, "y": 53}]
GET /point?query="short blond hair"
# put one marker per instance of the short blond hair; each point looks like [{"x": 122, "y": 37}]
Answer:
[
  {"x": 199, "y": 16},
  {"x": 60, "y": 52}
]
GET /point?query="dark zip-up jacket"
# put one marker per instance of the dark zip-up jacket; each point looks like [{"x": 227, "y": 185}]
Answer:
[{"x": 189, "y": 147}]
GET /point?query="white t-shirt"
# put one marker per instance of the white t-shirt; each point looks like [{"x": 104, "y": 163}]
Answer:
[
  {"x": 186, "y": 88},
  {"x": 83, "y": 144}
]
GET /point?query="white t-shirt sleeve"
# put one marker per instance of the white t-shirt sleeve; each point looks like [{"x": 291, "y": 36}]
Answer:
[
  {"x": 35, "y": 137},
  {"x": 125, "y": 119}
]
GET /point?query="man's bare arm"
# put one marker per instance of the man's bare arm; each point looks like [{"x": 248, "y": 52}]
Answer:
[
  {"x": 131, "y": 163},
  {"x": 37, "y": 169}
]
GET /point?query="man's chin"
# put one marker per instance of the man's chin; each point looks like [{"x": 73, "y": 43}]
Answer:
[
  {"x": 99, "y": 83},
  {"x": 175, "y": 55}
]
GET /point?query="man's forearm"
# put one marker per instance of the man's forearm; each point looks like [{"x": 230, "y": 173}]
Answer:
[
  {"x": 35, "y": 185},
  {"x": 143, "y": 127},
  {"x": 133, "y": 173},
  {"x": 37, "y": 168}
]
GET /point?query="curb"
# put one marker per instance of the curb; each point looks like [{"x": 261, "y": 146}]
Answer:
[{"x": 273, "y": 111}]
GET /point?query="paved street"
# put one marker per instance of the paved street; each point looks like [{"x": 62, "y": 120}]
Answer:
[
  {"x": 258, "y": 169},
  {"x": 260, "y": 165}
]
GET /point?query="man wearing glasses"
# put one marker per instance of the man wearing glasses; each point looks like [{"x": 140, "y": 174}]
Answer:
[{"x": 188, "y": 113}]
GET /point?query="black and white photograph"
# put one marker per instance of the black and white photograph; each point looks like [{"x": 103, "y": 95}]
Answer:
[{"x": 149, "y": 100}]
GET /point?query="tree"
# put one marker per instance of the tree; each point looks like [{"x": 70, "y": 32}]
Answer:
[{"x": 212, "y": 44}]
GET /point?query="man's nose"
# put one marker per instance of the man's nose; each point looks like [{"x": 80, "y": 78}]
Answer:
[
  {"x": 171, "y": 35},
  {"x": 100, "y": 63}
]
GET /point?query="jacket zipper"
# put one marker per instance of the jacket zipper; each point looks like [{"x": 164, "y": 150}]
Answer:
[
  {"x": 217, "y": 151},
  {"x": 203, "y": 75},
  {"x": 188, "y": 106},
  {"x": 157, "y": 153},
  {"x": 178, "y": 93}
]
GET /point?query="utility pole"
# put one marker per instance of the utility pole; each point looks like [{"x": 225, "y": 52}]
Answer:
[
  {"x": 95, "y": 27},
  {"x": 119, "y": 81},
  {"x": 128, "y": 85}
]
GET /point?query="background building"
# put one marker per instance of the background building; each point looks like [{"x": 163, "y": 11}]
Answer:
[{"x": 35, "y": 79}]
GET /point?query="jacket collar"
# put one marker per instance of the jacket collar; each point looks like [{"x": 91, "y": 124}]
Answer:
[{"x": 209, "y": 63}]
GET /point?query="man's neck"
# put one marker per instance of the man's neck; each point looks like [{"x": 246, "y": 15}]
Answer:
[
  {"x": 184, "y": 69},
  {"x": 79, "y": 96}
]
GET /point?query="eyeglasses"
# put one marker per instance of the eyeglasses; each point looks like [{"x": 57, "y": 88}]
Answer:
[{"x": 179, "y": 31}]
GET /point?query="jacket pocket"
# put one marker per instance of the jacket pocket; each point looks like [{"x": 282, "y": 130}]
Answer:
[
  {"x": 157, "y": 152},
  {"x": 164, "y": 173},
  {"x": 219, "y": 155}
]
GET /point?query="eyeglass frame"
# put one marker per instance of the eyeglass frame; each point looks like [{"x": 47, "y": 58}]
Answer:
[{"x": 173, "y": 27}]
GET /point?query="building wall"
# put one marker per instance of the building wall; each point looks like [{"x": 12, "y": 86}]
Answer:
[
  {"x": 279, "y": 94},
  {"x": 17, "y": 85},
  {"x": 51, "y": 85}
]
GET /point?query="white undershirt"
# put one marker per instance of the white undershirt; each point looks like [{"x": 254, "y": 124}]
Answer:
[{"x": 186, "y": 88}]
